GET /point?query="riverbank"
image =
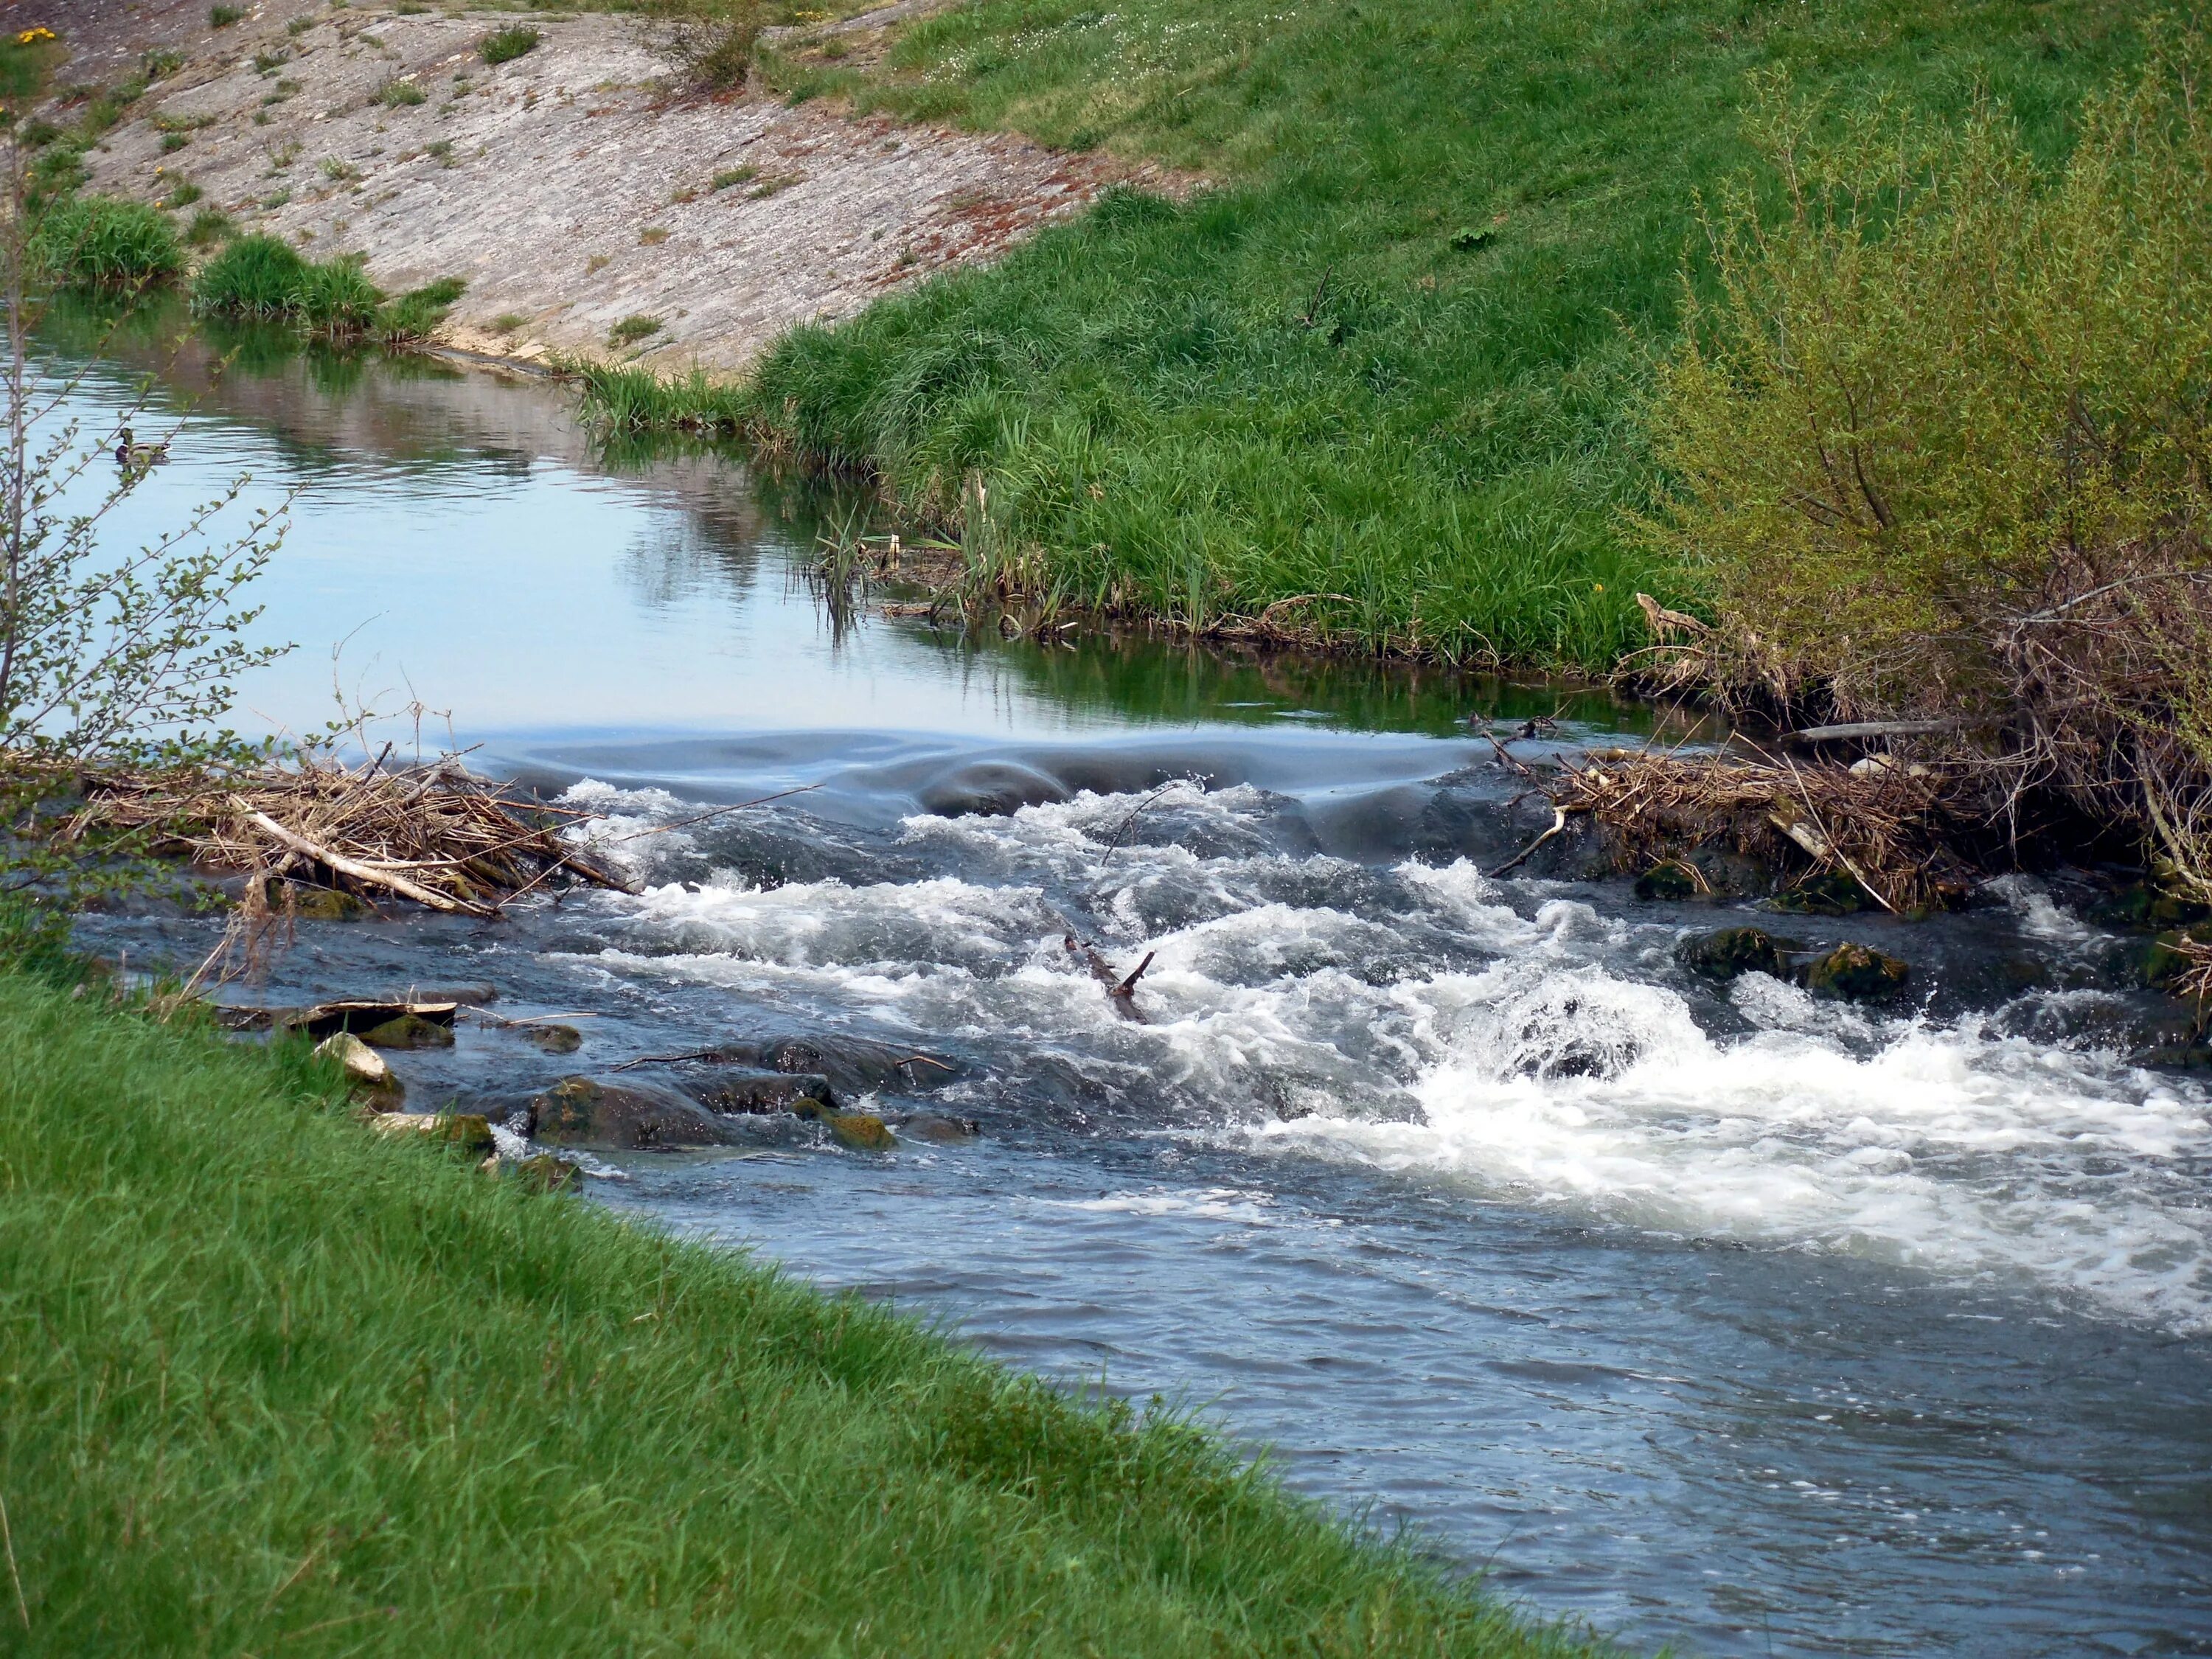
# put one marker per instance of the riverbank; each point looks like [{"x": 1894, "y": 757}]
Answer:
[{"x": 391, "y": 1405}]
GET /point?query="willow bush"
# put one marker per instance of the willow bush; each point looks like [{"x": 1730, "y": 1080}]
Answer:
[{"x": 1937, "y": 437}]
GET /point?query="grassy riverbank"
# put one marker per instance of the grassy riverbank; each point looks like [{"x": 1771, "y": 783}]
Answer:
[
  {"x": 1398, "y": 358},
  {"x": 273, "y": 1386}
]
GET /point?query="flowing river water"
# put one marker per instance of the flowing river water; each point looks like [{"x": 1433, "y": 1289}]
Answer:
[{"x": 1712, "y": 1315}]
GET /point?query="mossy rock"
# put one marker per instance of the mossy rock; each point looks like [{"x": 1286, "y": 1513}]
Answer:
[
  {"x": 2169, "y": 956},
  {"x": 1855, "y": 973},
  {"x": 1831, "y": 893},
  {"x": 409, "y": 1031},
  {"x": 556, "y": 1039},
  {"x": 2147, "y": 904},
  {"x": 861, "y": 1132},
  {"x": 327, "y": 904},
  {"x": 808, "y": 1106},
  {"x": 1735, "y": 951},
  {"x": 1667, "y": 882}
]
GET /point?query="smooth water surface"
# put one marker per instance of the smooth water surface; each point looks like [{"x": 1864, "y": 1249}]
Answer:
[{"x": 1714, "y": 1316}]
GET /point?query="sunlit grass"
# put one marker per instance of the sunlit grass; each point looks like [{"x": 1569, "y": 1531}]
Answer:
[
  {"x": 1395, "y": 358},
  {"x": 276, "y": 1385}
]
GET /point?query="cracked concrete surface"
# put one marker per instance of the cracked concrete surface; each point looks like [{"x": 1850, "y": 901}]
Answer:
[{"x": 568, "y": 186}]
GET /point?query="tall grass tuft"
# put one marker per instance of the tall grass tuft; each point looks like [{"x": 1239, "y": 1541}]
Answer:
[
  {"x": 99, "y": 241},
  {"x": 264, "y": 276}
]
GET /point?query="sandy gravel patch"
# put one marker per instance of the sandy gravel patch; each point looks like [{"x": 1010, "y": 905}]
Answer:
[{"x": 568, "y": 186}]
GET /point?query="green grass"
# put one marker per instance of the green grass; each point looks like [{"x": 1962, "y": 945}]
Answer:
[
  {"x": 266, "y": 277},
  {"x": 99, "y": 241},
  {"x": 504, "y": 46},
  {"x": 1397, "y": 357},
  {"x": 276, "y": 1387}
]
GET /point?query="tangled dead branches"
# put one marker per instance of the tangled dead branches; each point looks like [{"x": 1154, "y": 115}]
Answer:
[
  {"x": 1882, "y": 825},
  {"x": 433, "y": 833}
]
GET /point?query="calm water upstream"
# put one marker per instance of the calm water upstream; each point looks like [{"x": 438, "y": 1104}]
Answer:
[{"x": 1722, "y": 1318}]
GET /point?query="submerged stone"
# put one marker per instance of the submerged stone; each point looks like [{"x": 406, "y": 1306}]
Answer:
[
  {"x": 748, "y": 1091},
  {"x": 939, "y": 1130},
  {"x": 1734, "y": 950},
  {"x": 582, "y": 1111},
  {"x": 556, "y": 1039},
  {"x": 1856, "y": 973},
  {"x": 409, "y": 1031},
  {"x": 545, "y": 1173},
  {"x": 862, "y": 1132}
]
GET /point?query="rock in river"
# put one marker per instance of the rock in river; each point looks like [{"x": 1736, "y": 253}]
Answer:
[
  {"x": 1856, "y": 973},
  {"x": 582, "y": 1111},
  {"x": 1735, "y": 951},
  {"x": 409, "y": 1031}
]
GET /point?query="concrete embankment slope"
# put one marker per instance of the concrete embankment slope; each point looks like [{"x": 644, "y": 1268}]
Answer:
[{"x": 571, "y": 186}]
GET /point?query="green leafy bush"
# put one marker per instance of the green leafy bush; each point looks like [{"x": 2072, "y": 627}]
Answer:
[
  {"x": 1939, "y": 445},
  {"x": 222, "y": 17},
  {"x": 98, "y": 242},
  {"x": 630, "y": 330},
  {"x": 397, "y": 94},
  {"x": 504, "y": 46}
]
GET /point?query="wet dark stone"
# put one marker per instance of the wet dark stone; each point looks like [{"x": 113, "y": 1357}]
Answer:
[
  {"x": 990, "y": 789},
  {"x": 852, "y": 1065},
  {"x": 582, "y": 1111},
  {"x": 1855, "y": 973},
  {"x": 938, "y": 1131},
  {"x": 1831, "y": 893},
  {"x": 2146, "y": 904},
  {"x": 1733, "y": 950},
  {"x": 1667, "y": 882},
  {"x": 747, "y": 1091},
  {"x": 556, "y": 1039}
]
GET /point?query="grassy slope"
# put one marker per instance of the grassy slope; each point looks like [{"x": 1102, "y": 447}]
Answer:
[
  {"x": 272, "y": 1386},
  {"x": 1446, "y": 435}
]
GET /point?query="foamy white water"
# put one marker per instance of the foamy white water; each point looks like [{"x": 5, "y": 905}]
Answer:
[{"x": 1428, "y": 1022}]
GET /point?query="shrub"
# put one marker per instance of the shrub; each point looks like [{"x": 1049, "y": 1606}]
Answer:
[
  {"x": 714, "y": 53},
  {"x": 160, "y": 63},
  {"x": 182, "y": 194},
  {"x": 1936, "y": 447},
  {"x": 730, "y": 176},
  {"x": 96, "y": 241},
  {"x": 396, "y": 94},
  {"x": 504, "y": 46},
  {"x": 631, "y": 330},
  {"x": 222, "y": 17}
]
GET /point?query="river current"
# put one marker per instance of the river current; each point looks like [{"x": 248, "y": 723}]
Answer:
[{"x": 1712, "y": 1315}]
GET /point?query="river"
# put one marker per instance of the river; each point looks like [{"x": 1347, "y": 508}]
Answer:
[{"x": 1715, "y": 1316}]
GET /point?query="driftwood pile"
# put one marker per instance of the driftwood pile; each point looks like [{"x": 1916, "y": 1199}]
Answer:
[
  {"x": 431, "y": 833},
  {"x": 1880, "y": 823}
]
